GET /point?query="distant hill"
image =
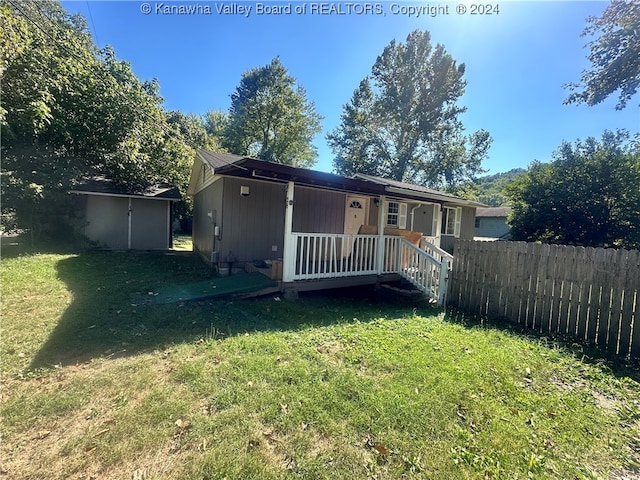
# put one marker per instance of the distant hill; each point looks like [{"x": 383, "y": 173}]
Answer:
[{"x": 491, "y": 187}]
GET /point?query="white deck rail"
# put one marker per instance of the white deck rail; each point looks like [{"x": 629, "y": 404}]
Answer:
[
  {"x": 326, "y": 255},
  {"x": 436, "y": 252}
]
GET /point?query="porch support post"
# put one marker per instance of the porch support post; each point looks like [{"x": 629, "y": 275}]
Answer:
[
  {"x": 380, "y": 255},
  {"x": 437, "y": 211},
  {"x": 288, "y": 254}
]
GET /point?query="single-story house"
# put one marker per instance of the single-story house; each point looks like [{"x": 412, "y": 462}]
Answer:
[
  {"x": 315, "y": 222},
  {"x": 124, "y": 218},
  {"x": 491, "y": 223}
]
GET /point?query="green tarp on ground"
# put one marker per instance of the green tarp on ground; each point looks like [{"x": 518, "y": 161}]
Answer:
[{"x": 213, "y": 288}]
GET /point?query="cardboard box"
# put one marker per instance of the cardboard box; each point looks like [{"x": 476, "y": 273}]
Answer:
[{"x": 274, "y": 271}]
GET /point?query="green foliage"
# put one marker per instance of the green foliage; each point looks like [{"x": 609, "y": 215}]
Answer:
[
  {"x": 215, "y": 124},
  {"x": 588, "y": 195},
  {"x": 614, "y": 55},
  {"x": 270, "y": 118},
  {"x": 491, "y": 188},
  {"x": 403, "y": 120},
  {"x": 71, "y": 111}
]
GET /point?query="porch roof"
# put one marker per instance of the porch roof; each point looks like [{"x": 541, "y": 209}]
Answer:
[{"x": 247, "y": 167}]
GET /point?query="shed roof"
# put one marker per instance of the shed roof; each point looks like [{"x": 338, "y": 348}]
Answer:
[{"x": 101, "y": 185}]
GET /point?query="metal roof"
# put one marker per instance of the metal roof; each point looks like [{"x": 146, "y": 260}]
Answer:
[{"x": 247, "y": 167}]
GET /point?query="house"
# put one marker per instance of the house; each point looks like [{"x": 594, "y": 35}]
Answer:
[
  {"x": 124, "y": 218},
  {"x": 318, "y": 224},
  {"x": 491, "y": 223}
]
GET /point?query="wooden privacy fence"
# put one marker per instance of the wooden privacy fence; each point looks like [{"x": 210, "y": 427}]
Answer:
[{"x": 589, "y": 293}]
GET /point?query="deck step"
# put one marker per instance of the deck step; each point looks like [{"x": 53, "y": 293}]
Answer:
[{"x": 403, "y": 291}]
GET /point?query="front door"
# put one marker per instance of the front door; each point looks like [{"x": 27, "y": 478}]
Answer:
[{"x": 355, "y": 215}]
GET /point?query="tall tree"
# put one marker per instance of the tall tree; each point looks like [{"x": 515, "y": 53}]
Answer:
[
  {"x": 271, "y": 118},
  {"x": 70, "y": 110},
  {"x": 614, "y": 56},
  {"x": 215, "y": 124},
  {"x": 403, "y": 120},
  {"x": 588, "y": 195}
]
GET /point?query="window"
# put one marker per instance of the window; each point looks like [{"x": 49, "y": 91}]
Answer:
[
  {"x": 451, "y": 217},
  {"x": 477, "y": 223},
  {"x": 355, "y": 204},
  {"x": 396, "y": 214}
]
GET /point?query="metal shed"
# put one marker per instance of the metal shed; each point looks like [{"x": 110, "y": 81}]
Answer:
[{"x": 124, "y": 218}]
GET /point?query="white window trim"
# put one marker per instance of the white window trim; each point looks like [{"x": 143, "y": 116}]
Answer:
[
  {"x": 402, "y": 215},
  {"x": 457, "y": 220}
]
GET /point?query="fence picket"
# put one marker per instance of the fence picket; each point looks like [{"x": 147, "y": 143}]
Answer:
[{"x": 590, "y": 293}]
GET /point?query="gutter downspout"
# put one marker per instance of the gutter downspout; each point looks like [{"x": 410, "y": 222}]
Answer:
[{"x": 412, "y": 212}]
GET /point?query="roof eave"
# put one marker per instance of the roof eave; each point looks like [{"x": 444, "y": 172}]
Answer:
[{"x": 441, "y": 198}]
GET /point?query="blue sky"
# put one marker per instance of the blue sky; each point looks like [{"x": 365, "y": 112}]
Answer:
[{"x": 517, "y": 62}]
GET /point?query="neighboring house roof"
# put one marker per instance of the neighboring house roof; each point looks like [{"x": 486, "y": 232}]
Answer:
[
  {"x": 234, "y": 165},
  {"x": 101, "y": 185},
  {"x": 493, "y": 212}
]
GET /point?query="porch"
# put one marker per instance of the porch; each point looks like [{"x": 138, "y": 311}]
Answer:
[
  {"x": 321, "y": 260},
  {"x": 331, "y": 260}
]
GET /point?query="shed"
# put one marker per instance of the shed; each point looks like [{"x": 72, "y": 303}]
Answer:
[{"x": 125, "y": 218}]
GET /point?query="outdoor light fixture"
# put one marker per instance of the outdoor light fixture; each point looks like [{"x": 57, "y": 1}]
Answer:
[
  {"x": 376, "y": 202},
  {"x": 244, "y": 190}
]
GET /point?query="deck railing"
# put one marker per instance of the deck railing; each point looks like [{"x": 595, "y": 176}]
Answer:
[
  {"x": 424, "y": 271},
  {"x": 331, "y": 255},
  {"x": 436, "y": 252}
]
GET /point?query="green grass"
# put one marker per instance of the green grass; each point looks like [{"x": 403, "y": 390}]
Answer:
[
  {"x": 347, "y": 386},
  {"x": 182, "y": 242}
]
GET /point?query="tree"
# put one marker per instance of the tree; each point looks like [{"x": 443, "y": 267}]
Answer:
[
  {"x": 588, "y": 195},
  {"x": 614, "y": 56},
  {"x": 215, "y": 124},
  {"x": 271, "y": 118},
  {"x": 403, "y": 120},
  {"x": 71, "y": 111}
]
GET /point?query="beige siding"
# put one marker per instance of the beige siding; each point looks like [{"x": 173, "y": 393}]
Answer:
[
  {"x": 468, "y": 225},
  {"x": 422, "y": 219},
  {"x": 149, "y": 224},
  {"x": 252, "y": 225},
  {"x": 207, "y": 201},
  {"x": 318, "y": 211},
  {"x": 107, "y": 221}
]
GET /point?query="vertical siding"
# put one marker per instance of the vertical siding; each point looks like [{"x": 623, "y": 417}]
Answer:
[
  {"x": 318, "y": 211},
  {"x": 205, "y": 201},
  {"x": 423, "y": 219},
  {"x": 149, "y": 224},
  {"x": 107, "y": 221},
  {"x": 468, "y": 224},
  {"x": 252, "y": 225}
]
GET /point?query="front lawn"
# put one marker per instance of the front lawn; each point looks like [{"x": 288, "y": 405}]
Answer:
[{"x": 95, "y": 385}]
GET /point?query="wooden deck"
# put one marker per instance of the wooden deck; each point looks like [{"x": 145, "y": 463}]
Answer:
[{"x": 319, "y": 261}]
